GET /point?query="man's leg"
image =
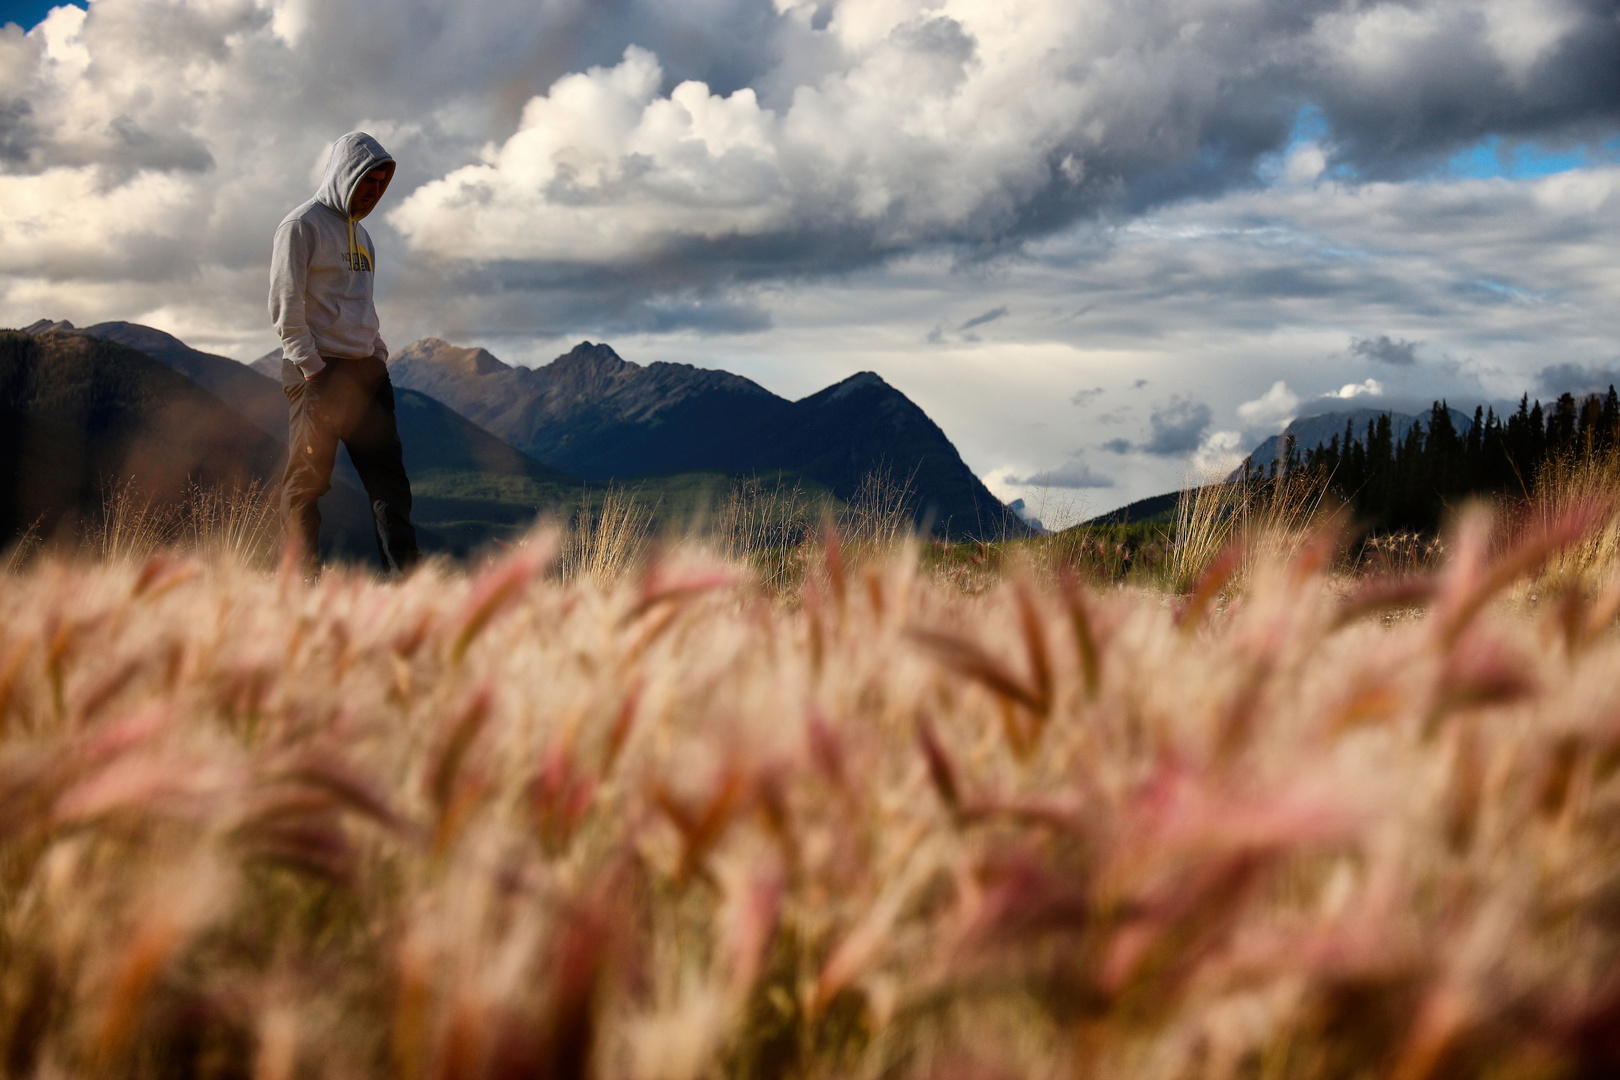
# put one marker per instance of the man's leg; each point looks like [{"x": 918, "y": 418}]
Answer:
[
  {"x": 311, "y": 450},
  {"x": 378, "y": 457}
]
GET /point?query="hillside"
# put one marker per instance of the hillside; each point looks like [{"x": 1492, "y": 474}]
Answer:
[
  {"x": 81, "y": 414},
  {"x": 237, "y": 385},
  {"x": 601, "y": 417},
  {"x": 1153, "y": 510}
]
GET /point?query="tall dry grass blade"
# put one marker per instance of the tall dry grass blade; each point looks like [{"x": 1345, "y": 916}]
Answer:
[
  {"x": 1206, "y": 516},
  {"x": 495, "y": 590},
  {"x": 1081, "y": 624},
  {"x": 702, "y": 828},
  {"x": 941, "y": 772},
  {"x": 454, "y": 742},
  {"x": 1473, "y": 581},
  {"x": 972, "y": 662},
  {"x": 1385, "y": 595},
  {"x": 1218, "y": 573},
  {"x": 1033, "y": 628},
  {"x": 353, "y": 790}
]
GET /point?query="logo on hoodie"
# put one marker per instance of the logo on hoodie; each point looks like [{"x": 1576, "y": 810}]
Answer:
[{"x": 359, "y": 261}]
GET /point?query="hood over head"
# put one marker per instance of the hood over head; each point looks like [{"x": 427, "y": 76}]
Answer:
[{"x": 353, "y": 155}]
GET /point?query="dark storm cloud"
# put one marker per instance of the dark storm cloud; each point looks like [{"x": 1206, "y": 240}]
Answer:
[
  {"x": 664, "y": 315},
  {"x": 1174, "y": 429},
  {"x": 1397, "y": 351},
  {"x": 1444, "y": 76},
  {"x": 1557, "y": 379},
  {"x": 17, "y": 132},
  {"x": 1178, "y": 427}
]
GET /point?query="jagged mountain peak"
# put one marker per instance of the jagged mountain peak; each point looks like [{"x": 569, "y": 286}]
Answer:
[
  {"x": 861, "y": 380},
  {"x": 596, "y": 358},
  {"x": 594, "y": 414}
]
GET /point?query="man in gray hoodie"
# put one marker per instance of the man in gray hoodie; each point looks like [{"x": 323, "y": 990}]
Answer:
[{"x": 334, "y": 363}]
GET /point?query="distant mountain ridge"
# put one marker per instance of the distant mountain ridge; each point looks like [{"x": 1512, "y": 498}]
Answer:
[
  {"x": 594, "y": 414},
  {"x": 1310, "y": 432}
]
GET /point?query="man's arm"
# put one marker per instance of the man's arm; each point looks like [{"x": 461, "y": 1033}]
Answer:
[{"x": 289, "y": 271}]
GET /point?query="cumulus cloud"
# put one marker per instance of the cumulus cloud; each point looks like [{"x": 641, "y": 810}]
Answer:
[
  {"x": 1271, "y": 410},
  {"x": 560, "y": 163},
  {"x": 1220, "y": 452},
  {"x": 975, "y": 123},
  {"x": 1397, "y": 352},
  {"x": 1364, "y": 388},
  {"x": 1071, "y": 474}
]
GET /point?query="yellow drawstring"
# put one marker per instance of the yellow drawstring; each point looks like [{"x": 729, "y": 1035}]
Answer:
[{"x": 356, "y": 251}]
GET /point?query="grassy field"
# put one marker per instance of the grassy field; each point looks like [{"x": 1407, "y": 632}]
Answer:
[{"x": 772, "y": 801}]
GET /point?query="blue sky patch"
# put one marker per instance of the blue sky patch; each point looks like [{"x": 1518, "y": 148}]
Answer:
[
  {"x": 1492, "y": 157},
  {"x": 28, "y": 13}
]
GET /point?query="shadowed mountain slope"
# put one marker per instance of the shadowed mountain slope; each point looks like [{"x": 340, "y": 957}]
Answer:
[
  {"x": 81, "y": 415},
  {"x": 468, "y": 485},
  {"x": 601, "y": 417},
  {"x": 229, "y": 380}
]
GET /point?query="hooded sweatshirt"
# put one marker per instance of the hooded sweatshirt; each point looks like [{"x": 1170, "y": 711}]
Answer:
[{"x": 322, "y": 263}]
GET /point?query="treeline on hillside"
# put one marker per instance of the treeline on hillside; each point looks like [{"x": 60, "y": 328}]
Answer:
[{"x": 1406, "y": 484}]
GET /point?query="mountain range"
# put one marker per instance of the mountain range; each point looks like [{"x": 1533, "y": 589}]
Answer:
[
  {"x": 1307, "y": 432},
  {"x": 85, "y": 405},
  {"x": 600, "y": 417}
]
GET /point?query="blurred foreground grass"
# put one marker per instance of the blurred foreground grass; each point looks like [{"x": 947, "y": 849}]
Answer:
[{"x": 820, "y": 803}]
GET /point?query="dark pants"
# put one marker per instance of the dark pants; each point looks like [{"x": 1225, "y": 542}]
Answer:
[{"x": 351, "y": 400}]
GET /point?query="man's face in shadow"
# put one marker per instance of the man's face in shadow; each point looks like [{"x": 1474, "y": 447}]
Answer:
[{"x": 369, "y": 190}]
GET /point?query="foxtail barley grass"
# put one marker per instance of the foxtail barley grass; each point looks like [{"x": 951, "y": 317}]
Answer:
[{"x": 575, "y": 813}]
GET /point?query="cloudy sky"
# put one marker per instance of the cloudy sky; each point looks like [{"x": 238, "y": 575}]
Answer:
[{"x": 1103, "y": 243}]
